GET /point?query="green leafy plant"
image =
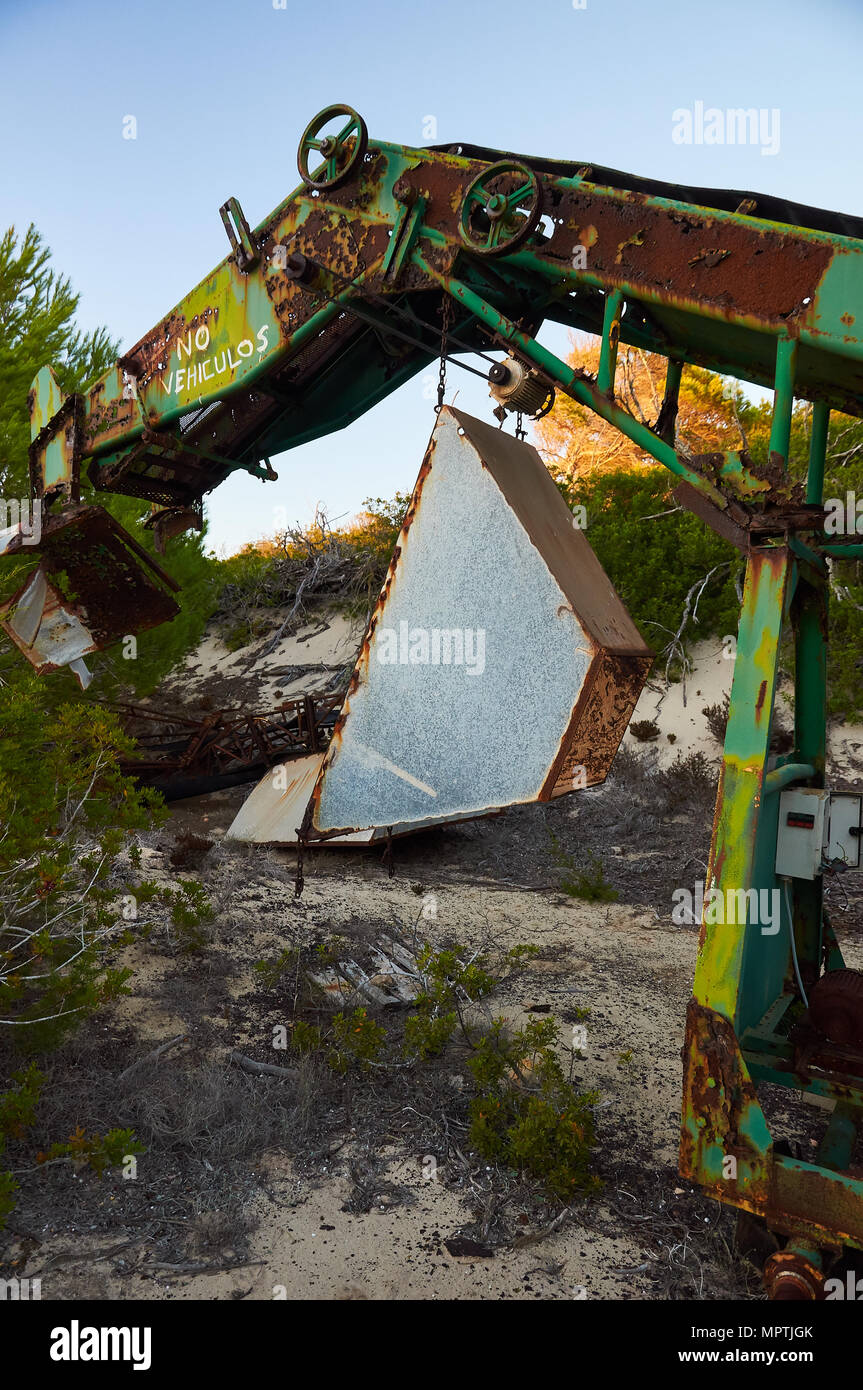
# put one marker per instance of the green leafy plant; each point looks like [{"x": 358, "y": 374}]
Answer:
[
  {"x": 271, "y": 971},
  {"x": 526, "y": 1114},
  {"x": 427, "y": 1035},
  {"x": 449, "y": 984},
  {"x": 17, "y": 1114},
  {"x": 96, "y": 1151},
  {"x": 305, "y": 1037},
  {"x": 190, "y": 911},
  {"x": 66, "y": 813},
  {"x": 356, "y": 1041},
  {"x": 583, "y": 881}
]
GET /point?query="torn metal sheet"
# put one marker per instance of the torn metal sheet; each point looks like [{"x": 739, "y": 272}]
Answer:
[
  {"x": 500, "y": 666},
  {"x": 45, "y": 629},
  {"x": 90, "y": 588}
]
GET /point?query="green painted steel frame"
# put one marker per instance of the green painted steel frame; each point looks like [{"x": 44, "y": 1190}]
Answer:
[
  {"x": 745, "y": 996},
  {"x": 696, "y": 283},
  {"x": 674, "y": 277}
]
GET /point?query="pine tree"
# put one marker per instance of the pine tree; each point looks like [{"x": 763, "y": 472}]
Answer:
[{"x": 37, "y": 328}]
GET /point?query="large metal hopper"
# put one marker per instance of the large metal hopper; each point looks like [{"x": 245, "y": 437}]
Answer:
[{"x": 499, "y": 666}]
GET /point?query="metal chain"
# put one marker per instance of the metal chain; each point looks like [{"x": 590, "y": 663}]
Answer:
[
  {"x": 388, "y": 853},
  {"x": 446, "y": 316},
  {"x": 520, "y": 431}
]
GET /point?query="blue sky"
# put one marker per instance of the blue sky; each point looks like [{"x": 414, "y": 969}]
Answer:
[{"x": 222, "y": 89}]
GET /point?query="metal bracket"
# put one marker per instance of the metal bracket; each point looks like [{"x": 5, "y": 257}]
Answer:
[
  {"x": 411, "y": 211},
  {"x": 62, "y": 436},
  {"x": 242, "y": 241}
]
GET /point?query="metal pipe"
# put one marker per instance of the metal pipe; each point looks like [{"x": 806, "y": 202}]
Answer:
[
  {"x": 782, "y": 776},
  {"x": 783, "y": 398},
  {"x": 608, "y": 350},
  {"x": 817, "y": 453},
  {"x": 846, "y": 552}
]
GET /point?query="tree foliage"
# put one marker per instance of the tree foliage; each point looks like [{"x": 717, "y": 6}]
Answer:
[
  {"x": 653, "y": 551},
  {"x": 37, "y": 328},
  {"x": 713, "y": 414}
]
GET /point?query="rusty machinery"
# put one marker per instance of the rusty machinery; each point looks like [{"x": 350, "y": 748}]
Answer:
[
  {"x": 183, "y": 755},
  {"x": 387, "y": 258}
]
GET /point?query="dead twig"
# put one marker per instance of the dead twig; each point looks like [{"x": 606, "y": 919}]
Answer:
[
  {"x": 152, "y": 1056},
  {"x": 263, "y": 1068},
  {"x": 197, "y": 1269},
  {"x": 534, "y": 1239}
]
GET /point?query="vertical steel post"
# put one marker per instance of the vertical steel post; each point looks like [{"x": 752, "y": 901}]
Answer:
[
  {"x": 817, "y": 453},
  {"x": 783, "y": 400},
  {"x": 610, "y": 340},
  {"x": 809, "y": 619}
]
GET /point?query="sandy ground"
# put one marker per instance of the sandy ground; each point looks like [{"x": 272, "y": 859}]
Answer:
[
  {"x": 632, "y": 974},
  {"x": 679, "y": 711},
  {"x": 321, "y": 654},
  {"x": 311, "y": 659},
  {"x": 646, "y": 1235}
]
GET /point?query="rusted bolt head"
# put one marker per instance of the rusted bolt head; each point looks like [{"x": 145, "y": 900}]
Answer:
[{"x": 296, "y": 265}]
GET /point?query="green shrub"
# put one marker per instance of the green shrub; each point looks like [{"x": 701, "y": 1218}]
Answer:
[
  {"x": 357, "y": 1041},
  {"x": 305, "y": 1037},
  {"x": 653, "y": 560},
  {"x": 66, "y": 812},
  {"x": 96, "y": 1151},
  {"x": 271, "y": 971},
  {"x": 579, "y": 881},
  {"x": 427, "y": 1036},
  {"x": 190, "y": 910},
  {"x": 526, "y": 1114}
]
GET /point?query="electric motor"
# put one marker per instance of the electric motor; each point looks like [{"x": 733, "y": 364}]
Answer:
[{"x": 519, "y": 388}]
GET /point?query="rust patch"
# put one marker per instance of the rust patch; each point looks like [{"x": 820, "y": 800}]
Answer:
[
  {"x": 738, "y": 268},
  {"x": 598, "y": 723},
  {"x": 717, "y": 1090},
  {"x": 802, "y": 1201}
]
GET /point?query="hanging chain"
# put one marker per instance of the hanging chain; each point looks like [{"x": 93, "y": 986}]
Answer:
[
  {"x": 446, "y": 317},
  {"x": 299, "y": 880},
  {"x": 520, "y": 431},
  {"x": 388, "y": 853}
]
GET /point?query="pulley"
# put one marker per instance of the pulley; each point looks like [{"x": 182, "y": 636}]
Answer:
[{"x": 520, "y": 389}]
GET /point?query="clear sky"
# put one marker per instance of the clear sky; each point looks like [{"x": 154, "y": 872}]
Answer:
[{"x": 222, "y": 89}]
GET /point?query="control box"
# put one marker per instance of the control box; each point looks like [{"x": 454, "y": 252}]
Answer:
[{"x": 818, "y": 830}]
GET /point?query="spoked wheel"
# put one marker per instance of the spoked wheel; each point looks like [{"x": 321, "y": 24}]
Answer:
[
  {"x": 501, "y": 208},
  {"x": 341, "y": 148}
]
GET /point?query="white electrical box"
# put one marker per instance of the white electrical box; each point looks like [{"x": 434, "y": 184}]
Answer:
[{"x": 817, "y": 828}]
